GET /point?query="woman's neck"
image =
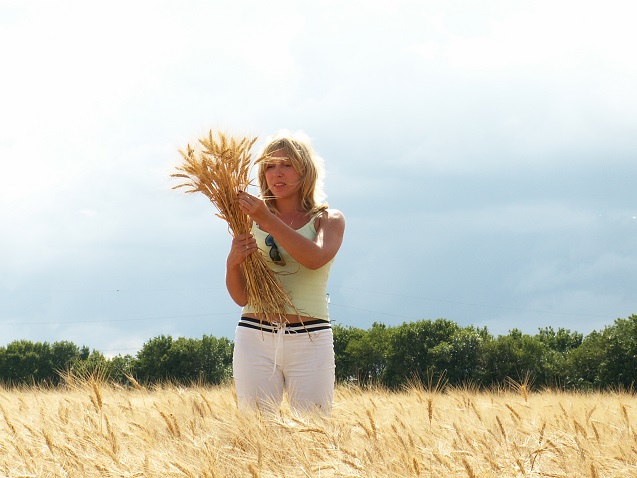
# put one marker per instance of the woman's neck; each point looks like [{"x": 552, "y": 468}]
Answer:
[
  {"x": 288, "y": 206},
  {"x": 291, "y": 213}
]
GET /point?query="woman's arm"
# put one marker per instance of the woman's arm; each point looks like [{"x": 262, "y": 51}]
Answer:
[
  {"x": 242, "y": 246},
  {"x": 313, "y": 254}
]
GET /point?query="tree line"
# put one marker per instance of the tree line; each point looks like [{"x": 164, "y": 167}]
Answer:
[{"x": 389, "y": 356}]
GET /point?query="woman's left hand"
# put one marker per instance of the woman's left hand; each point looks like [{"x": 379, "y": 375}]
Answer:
[{"x": 252, "y": 206}]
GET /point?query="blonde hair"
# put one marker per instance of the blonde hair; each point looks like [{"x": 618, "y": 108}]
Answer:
[{"x": 304, "y": 160}]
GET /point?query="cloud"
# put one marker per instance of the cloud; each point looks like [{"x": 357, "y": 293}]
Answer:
[{"x": 482, "y": 155}]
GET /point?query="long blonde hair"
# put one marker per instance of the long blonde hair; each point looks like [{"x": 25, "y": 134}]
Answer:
[{"x": 304, "y": 160}]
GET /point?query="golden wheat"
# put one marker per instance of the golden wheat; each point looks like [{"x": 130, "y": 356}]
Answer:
[
  {"x": 171, "y": 431},
  {"x": 218, "y": 169}
]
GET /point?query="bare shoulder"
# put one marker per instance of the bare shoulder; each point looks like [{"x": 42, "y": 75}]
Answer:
[
  {"x": 335, "y": 214},
  {"x": 331, "y": 218}
]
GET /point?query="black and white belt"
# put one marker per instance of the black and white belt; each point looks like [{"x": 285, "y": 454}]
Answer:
[{"x": 313, "y": 325}]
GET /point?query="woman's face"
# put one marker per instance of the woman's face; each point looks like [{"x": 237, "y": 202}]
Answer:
[{"x": 281, "y": 177}]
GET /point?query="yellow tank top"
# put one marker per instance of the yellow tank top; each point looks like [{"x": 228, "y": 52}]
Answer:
[{"x": 307, "y": 288}]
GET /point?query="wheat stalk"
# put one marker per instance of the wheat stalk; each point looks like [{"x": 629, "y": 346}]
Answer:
[
  {"x": 372, "y": 432},
  {"x": 219, "y": 168}
]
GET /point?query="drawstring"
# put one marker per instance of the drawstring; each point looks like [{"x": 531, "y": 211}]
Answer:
[{"x": 280, "y": 333}]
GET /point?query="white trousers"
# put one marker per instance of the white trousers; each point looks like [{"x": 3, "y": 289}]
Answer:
[{"x": 267, "y": 363}]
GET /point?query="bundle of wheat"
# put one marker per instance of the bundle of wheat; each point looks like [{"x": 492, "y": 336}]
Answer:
[{"x": 220, "y": 168}]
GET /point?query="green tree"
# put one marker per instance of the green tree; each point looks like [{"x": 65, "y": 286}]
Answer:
[
  {"x": 559, "y": 346},
  {"x": 606, "y": 359},
  {"x": 215, "y": 360},
  {"x": 410, "y": 346},
  {"x": 619, "y": 364},
  {"x": 583, "y": 364},
  {"x": 25, "y": 362},
  {"x": 360, "y": 354},
  {"x": 561, "y": 341},
  {"x": 345, "y": 363},
  {"x": 150, "y": 365},
  {"x": 62, "y": 356},
  {"x": 38, "y": 363},
  {"x": 120, "y": 368},
  {"x": 460, "y": 356},
  {"x": 184, "y": 360},
  {"x": 516, "y": 356}
]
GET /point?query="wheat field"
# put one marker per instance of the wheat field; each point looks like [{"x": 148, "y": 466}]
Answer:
[{"x": 93, "y": 428}]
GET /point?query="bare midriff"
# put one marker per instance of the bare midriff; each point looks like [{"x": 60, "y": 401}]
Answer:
[{"x": 289, "y": 318}]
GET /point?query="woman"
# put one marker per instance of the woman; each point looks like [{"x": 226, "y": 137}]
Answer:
[{"x": 298, "y": 236}]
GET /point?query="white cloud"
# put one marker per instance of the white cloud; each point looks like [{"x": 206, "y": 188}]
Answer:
[
  {"x": 448, "y": 128},
  {"x": 88, "y": 212}
]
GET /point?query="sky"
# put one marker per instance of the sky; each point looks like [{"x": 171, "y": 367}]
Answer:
[{"x": 483, "y": 154}]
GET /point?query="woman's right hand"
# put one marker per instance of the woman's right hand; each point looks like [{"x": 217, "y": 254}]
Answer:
[{"x": 242, "y": 246}]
